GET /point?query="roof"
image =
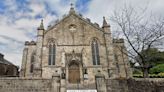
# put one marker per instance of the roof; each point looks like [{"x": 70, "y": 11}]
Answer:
[
  {"x": 73, "y": 12},
  {"x": 6, "y": 62}
]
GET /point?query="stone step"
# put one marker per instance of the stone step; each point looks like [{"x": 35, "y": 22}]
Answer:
[{"x": 80, "y": 86}]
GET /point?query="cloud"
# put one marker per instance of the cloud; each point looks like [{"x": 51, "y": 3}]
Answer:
[
  {"x": 59, "y": 7},
  {"x": 37, "y": 8},
  {"x": 10, "y": 4},
  {"x": 97, "y": 8},
  {"x": 4, "y": 40},
  {"x": 19, "y": 22}
]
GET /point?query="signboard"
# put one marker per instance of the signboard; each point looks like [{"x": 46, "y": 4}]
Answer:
[{"x": 92, "y": 90}]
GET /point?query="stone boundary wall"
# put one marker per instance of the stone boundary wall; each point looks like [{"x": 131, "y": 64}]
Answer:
[
  {"x": 16, "y": 84},
  {"x": 146, "y": 85},
  {"x": 116, "y": 85},
  {"x": 135, "y": 85},
  {"x": 25, "y": 85}
]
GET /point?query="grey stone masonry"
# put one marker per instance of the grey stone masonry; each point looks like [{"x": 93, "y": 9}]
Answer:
[{"x": 25, "y": 85}]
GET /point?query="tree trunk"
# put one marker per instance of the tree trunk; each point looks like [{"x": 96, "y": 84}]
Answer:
[{"x": 145, "y": 73}]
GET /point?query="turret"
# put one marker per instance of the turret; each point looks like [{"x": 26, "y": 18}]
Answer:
[
  {"x": 109, "y": 49},
  {"x": 39, "y": 46},
  {"x": 106, "y": 26},
  {"x": 41, "y": 29}
]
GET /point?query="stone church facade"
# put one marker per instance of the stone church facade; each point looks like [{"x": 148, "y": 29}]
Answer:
[{"x": 77, "y": 51}]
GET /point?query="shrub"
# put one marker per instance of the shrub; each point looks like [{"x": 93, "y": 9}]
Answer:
[
  {"x": 137, "y": 71},
  {"x": 157, "y": 69}
]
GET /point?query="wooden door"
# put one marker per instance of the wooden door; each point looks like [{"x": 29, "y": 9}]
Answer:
[{"x": 74, "y": 73}]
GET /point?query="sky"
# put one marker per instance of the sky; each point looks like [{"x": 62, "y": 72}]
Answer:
[{"x": 19, "y": 19}]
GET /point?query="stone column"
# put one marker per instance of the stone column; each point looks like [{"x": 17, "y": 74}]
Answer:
[
  {"x": 100, "y": 83},
  {"x": 63, "y": 86},
  {"x": 56, "y": 83},
  {"x": 24, "y": 61}
]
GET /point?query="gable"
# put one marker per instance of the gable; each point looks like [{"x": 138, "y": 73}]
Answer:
[
  {"x": 85, "y": 31},
  {"x": 75, "y": 16}
]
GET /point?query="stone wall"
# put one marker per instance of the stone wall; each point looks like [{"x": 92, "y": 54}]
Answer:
[
  {"x": 116, "y": 85},
  {"x": 135, "y": 85},
  {"x": 146, "y": 85},
  {"x": 25, "y": 85},
  {"x": 53, "y": 85}
]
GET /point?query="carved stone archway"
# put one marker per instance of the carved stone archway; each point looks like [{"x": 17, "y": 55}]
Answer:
[{"x": 74, "y": 72}]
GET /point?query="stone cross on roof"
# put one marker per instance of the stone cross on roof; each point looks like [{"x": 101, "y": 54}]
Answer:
[
  {"x": 72, "y": 8},
  {"x": 71, "y": 5}
]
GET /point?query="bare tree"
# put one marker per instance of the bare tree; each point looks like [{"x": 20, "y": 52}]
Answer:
[{"x": 142, "y": 31}]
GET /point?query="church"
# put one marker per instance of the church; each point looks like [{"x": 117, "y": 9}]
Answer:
[{"x": 76, "y": 50}]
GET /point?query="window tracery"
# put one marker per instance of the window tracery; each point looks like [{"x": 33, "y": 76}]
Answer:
[
  {"x": 95, "y": 52},
  {"x": 52, "y": 54}
]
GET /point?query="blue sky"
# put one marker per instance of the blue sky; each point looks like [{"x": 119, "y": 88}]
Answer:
[{"x": 19, "y": 19}]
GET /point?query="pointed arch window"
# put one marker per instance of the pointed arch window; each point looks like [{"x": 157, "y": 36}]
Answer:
[
  {"x": 95, "y": 52},
  {"x": 52, "y": 54},
  {"x": 32, "y": 63}
]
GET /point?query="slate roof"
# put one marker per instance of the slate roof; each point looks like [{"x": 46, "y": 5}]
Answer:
[{"x": 4, "y": 61}]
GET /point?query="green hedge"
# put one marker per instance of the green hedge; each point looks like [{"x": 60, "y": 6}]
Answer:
[
  {"x": 157, "y": 69},
  {"x": 137, "y": 71},
  {"x": 155, "y": 72}
]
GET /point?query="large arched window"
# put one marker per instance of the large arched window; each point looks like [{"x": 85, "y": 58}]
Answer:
[
  {"x": 95, "y": 52},
  {"x": 52, "y": 54},
  {"x": 32, "y": 62}
]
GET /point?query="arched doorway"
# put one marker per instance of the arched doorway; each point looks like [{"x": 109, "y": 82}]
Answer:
[{"x": 74, "y": 72}]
